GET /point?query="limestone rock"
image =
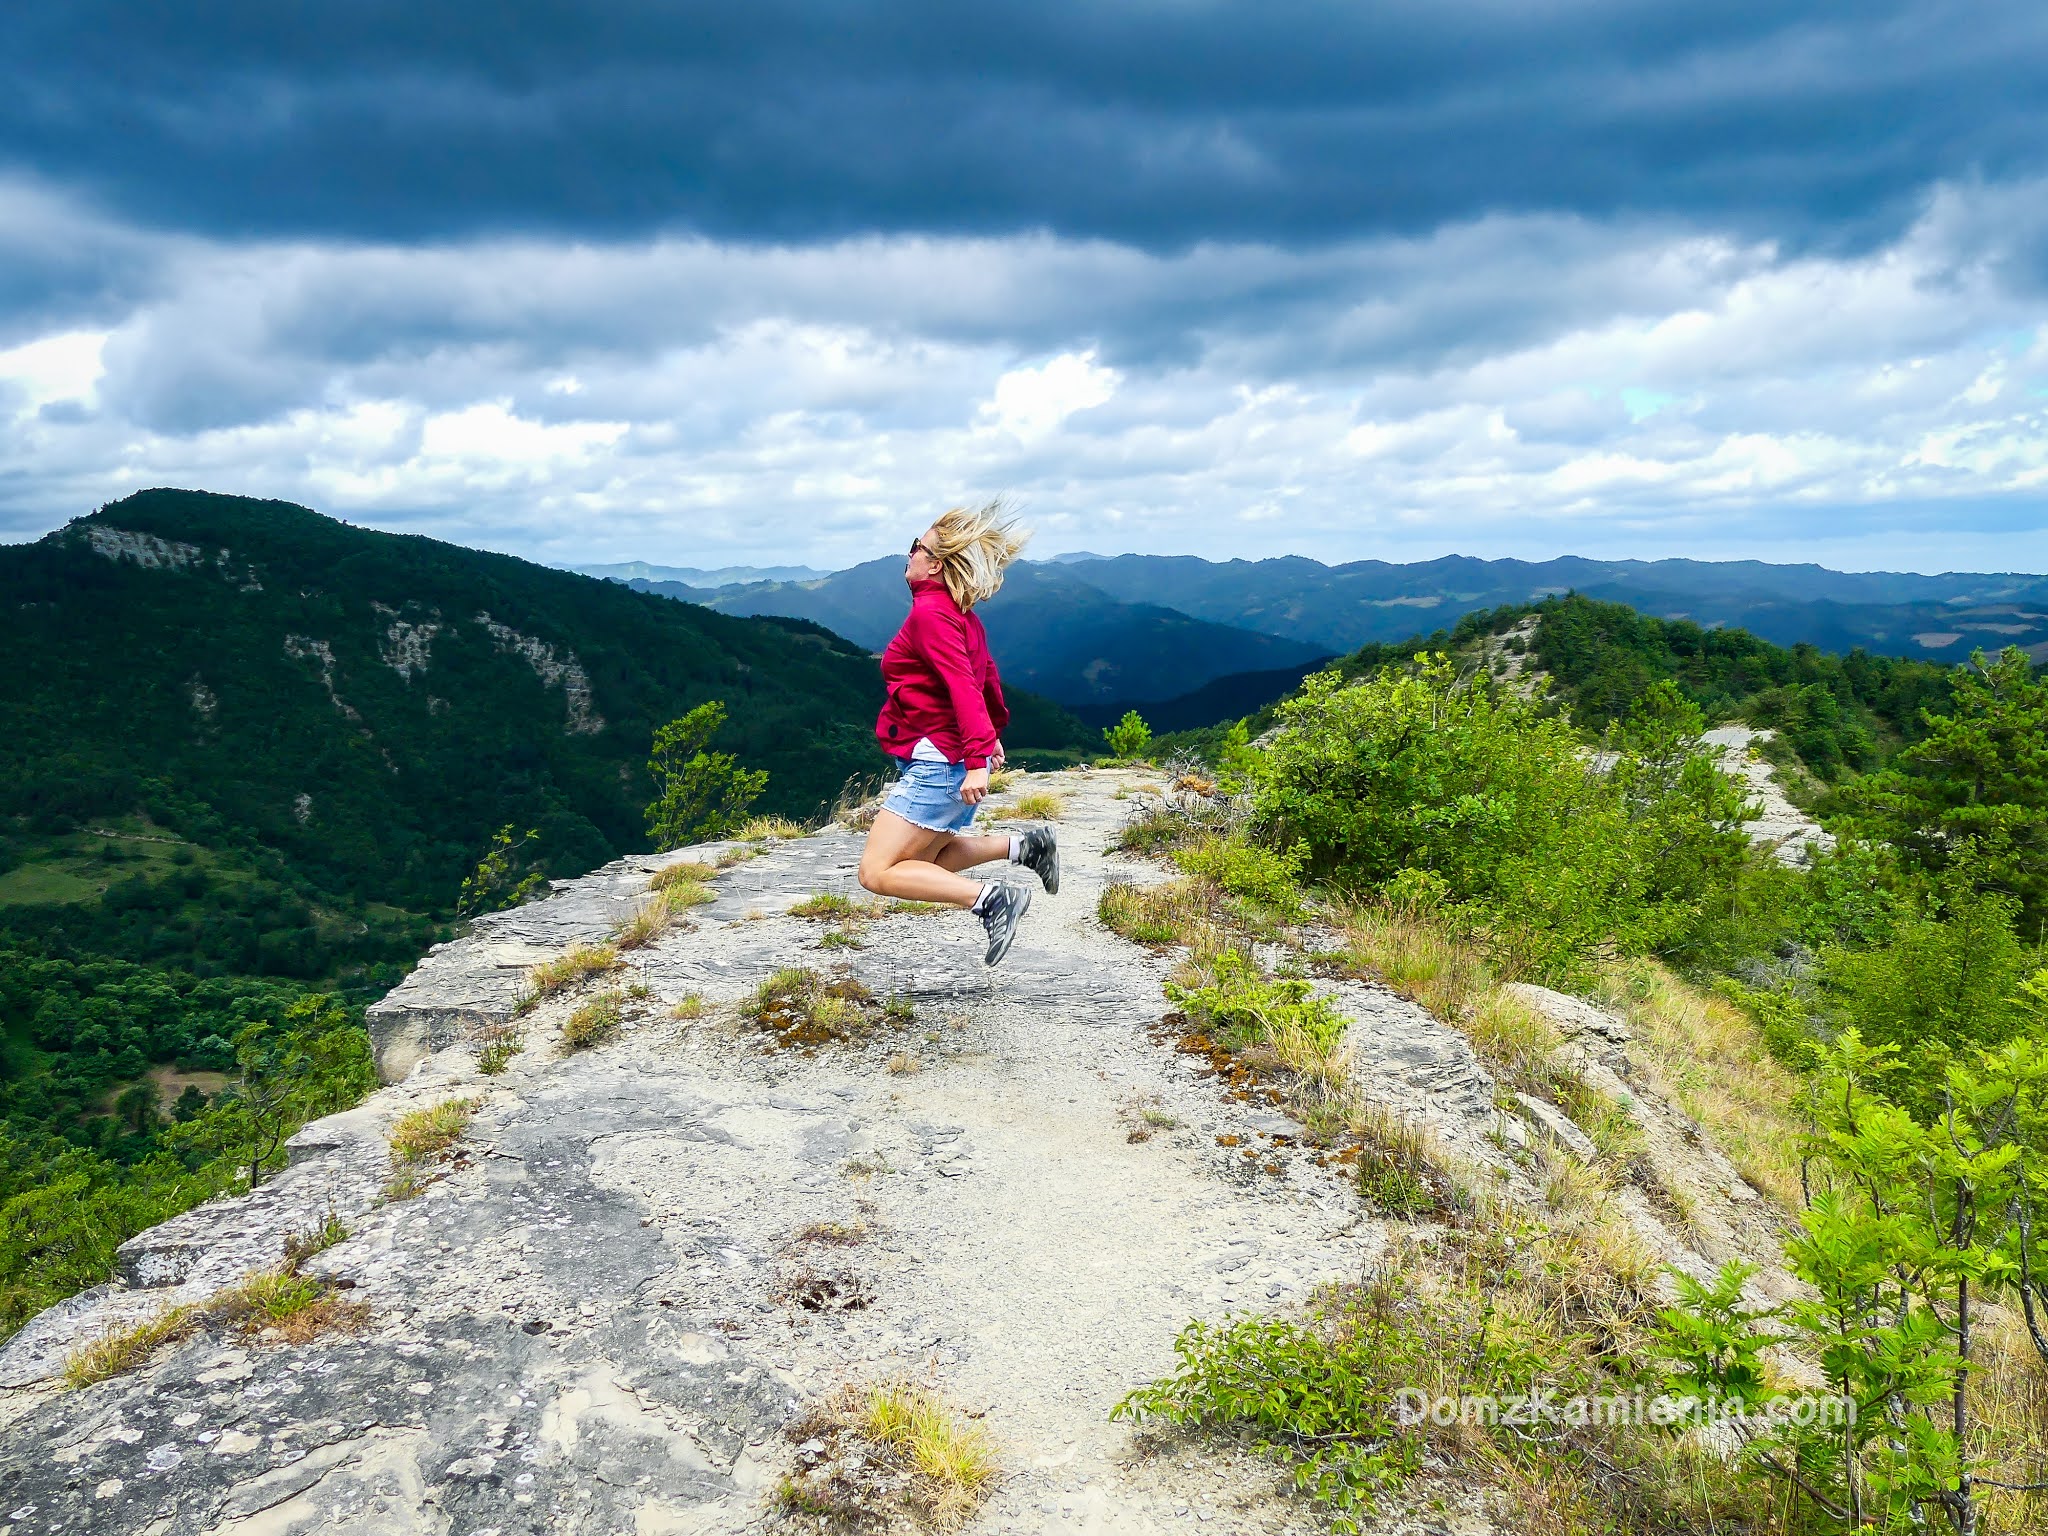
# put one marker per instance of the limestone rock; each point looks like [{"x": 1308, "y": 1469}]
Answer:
[{"x": 1572, "y": 1015}]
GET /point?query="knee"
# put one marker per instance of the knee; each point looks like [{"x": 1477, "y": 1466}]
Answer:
[{"x": 869, "y": 875}]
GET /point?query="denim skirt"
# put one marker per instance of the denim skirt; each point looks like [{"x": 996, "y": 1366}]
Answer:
[{"x": 928, "y": 796}]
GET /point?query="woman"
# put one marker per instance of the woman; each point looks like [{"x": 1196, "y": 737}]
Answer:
[{"x": 944, "y": 708}]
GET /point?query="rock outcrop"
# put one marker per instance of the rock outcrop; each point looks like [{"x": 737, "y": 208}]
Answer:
[
  {"x": 600, "y": 1313},
  {"x": 1789, "y": 832}
]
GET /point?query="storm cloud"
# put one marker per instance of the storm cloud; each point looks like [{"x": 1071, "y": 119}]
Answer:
[{"x": 624, "y": 280}]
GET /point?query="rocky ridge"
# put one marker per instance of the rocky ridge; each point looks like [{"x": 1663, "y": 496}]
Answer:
[{"x": 600, "y": 1317}]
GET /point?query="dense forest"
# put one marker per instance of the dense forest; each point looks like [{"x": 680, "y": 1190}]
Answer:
[{"x": 248, "y": 755}]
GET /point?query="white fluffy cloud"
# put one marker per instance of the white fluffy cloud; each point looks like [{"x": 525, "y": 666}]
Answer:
[{"x": 1529, "y": 386}]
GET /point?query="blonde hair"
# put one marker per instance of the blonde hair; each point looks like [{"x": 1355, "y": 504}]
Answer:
[{"x": 972, "y": 546}]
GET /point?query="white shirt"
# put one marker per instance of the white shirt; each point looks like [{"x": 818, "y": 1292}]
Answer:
[{"x": 925, "y": 752}]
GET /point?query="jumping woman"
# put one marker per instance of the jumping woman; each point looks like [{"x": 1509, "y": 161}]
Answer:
[{"x": 941, "y": 719}]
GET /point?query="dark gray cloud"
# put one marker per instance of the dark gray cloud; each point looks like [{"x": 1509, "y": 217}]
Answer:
[{"x": 1154, "y": 124}]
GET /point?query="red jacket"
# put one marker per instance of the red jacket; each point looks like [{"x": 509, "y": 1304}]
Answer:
[{"x": 941, "y": 682}]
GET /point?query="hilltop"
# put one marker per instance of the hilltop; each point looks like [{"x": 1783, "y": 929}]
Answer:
[{"x": 646, "y": 1262}]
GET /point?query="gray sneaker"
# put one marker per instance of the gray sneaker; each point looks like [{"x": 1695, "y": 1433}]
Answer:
[
  {"x": 1000, "y": 914},
  {"x": 1039, "y": 852}
]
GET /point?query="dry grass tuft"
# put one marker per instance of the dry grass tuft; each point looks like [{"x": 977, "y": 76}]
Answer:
[
  {"x": 301, "y": 1246},
  {"x": 1403, "y": 1170},
  {"x": 691, "y": 1006},
  {"x": 683, "y": 872},
  {"x": 886, "y": 1458},
  {"x": 903, "y": 1064},
  {"x": 738, "y": 853},
  {"x": 832, "y": 906},
  {"x": 578, "y": 963},
  {"x": 124, "y": 1349},
  {"x": 1707, "y": 1056},
  {"x": 280, "y": 1304},
  {"x": 1000, "y": 781},
  {"x": 287, "y": 1307},
  {"x": 1183, "y": 911},
  {"x": 1516, "y": 1041},
  {"x": 594, "y": 1023},
  {"x": 956, "y": 1457},
  {"x": 496, "y": 1045},
  {"x": 421, "y": 1138},
  {"x": 1037, "y": 805},
  {"x": 805, "y": 1010},
  {"x": 653, "y": 918},
  {"x": 421, "y": 1135},
  {"x": 761, "y": 829},
  {"x": 1414, "y": 956}
]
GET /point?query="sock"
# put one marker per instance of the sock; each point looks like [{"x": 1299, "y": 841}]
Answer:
[
  {"x": 981, "y": 901},
  {"x": 1016, "y": 846}
]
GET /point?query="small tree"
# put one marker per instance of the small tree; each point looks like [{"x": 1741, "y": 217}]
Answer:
[
  {"x": 701, "y": 794},
  {"x": 497, "y": 883},
  {"x": 1130, "y": 736},
  {"x": 1908, "y": 1226},
  {"x": 311, "y": 1062}
]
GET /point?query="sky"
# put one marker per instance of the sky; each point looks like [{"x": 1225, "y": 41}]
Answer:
[{"x": 773, "y": 283}]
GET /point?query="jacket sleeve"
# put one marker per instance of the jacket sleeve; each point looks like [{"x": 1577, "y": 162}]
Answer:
[
  {"x": 943, "y": 639},
  {"x": 992, "y": 695}
]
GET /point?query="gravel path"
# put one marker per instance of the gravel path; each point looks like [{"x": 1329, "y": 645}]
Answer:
[{"x": 600, "y": 1318}]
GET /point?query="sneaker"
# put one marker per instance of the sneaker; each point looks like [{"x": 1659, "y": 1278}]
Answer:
[
  {"x": 1003, "y": 909},
  {"x": 1039, "y": 852}
]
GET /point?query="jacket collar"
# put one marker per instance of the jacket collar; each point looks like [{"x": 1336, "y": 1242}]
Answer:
[{"x": 929, "y": 585}]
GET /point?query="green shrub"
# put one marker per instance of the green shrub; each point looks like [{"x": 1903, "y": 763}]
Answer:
[
  {"x": 1261, "y": 875},
  {"x": 1245, "y": 1008},
  {"x": 1907, "y": 1223},
  {"x": 1129, "y": 737},
  {"x": 1414, "y": 773}
]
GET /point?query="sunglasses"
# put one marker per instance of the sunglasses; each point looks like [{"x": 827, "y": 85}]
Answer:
[{"x": 919, "y": 544}]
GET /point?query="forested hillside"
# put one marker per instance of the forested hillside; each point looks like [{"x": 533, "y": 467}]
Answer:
[
  {"x": 248, "y": 755},
  {"x": 1835, "y": 714}
]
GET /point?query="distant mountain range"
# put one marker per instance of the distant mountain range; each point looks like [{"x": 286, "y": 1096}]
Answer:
[
  {"x": 1178, "y": 636},
  {"x": 1342, "y": 607},
  {"x": 723, "y": 576},
  {"x": 1051, "y": 630}
]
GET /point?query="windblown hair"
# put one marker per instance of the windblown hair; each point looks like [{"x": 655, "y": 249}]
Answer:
[{"x": 973, "y": 545}]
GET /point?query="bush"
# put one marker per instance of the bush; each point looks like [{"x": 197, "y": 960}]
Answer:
[
  {"x": 1415, "y": 775},
  {"x": 1246, "y": 1009},
  {"x": 1269, "y": 879}
]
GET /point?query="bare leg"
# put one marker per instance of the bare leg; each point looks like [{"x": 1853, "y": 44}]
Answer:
[
  {"x": 897, "y": 861},
  {"x": 966, "y": 852}
]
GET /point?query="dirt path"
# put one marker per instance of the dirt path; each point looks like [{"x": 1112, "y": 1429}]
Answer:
[{"x": 601, "y": 1318}]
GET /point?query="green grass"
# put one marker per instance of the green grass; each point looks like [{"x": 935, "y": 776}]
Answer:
[
  {"x": 422, "y": 1135},
  {"x": 48, "y": 884},
  {"x": 594, "y": 1023},
  {"x": 832, "y": 905}
]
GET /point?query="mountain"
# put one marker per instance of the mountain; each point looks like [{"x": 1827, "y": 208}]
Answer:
[
  {"x": 1230, "y": 697},
  {"x": 1338, "y": 608},
  {"x": 1051, "y": 630},
  {"x": 371, "y": 706},
  {"x": 689, "y": 576}
]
